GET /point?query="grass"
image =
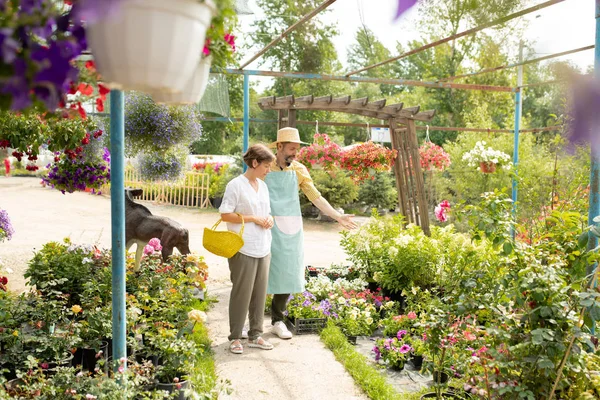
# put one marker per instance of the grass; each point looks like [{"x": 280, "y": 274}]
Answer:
[
  {"x": 204, "y": 376},
  {"x": 367, "y": 376},
  {"x": 364, "y": 374}
]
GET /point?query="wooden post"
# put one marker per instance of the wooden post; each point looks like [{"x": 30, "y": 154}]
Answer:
[
  {"x": 420, "y": 185},
  {"x": 280, "y": 123},
  {"x": 400, "y": 184},
  {"x": 291, "y": 122}
]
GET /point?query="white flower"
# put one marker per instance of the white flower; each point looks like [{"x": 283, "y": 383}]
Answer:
[
  {"x": 86, "y": 260},
  {"x": 369, "y": 320},
  {"x": 197, "y": 316}
]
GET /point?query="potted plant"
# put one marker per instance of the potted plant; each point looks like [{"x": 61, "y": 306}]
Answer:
[
  {"x": 323, "y": 153},
  {"x": 486, "y": 159},
  {"x": 151, "y": 54},
  {"x": 364, "y": 159},
  {"x": 394, "y": 351},
  {"x": 306, "y": 314},
  {"x": 6, "y": 228},
  {"x": 177, "y": 354},
  {"x": 433, "y": 157}
]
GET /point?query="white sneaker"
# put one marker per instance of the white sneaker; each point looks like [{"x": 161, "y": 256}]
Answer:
[
  {"x": 281, "y": 330},
  {"x": 245, "y": 333}
]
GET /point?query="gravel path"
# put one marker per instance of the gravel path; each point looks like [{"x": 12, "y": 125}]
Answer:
[{"x": 300, "y": 368}]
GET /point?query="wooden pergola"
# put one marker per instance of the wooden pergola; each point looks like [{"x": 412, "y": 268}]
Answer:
[{"x": 407, "y": 167}]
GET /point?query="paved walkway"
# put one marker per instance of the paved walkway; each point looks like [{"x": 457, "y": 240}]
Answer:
[{"x": 300, "y": 368}]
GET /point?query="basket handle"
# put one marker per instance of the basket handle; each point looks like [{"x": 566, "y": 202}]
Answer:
[{"x": 214, "y": 228}]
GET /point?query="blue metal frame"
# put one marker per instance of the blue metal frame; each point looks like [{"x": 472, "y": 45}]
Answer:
[
  {"x": 246, "y": 115},
  {"x": 117, "y": 207},
  {"x": 518, "y": 106},
  {"x": 594, "y": 206}
]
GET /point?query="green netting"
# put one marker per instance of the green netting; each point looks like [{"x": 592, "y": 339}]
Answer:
[{"x": 216, "y": 96}]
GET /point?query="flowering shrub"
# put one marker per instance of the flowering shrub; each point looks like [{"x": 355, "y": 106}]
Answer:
[
  {"x": 322, "y": 153},
  {"x": 161, "y": 166},
  {"x": 306, "y": 305},
  {"x": 69, "y": 175},
  {"x": 433, "y": 157},
  {"x": 220, "y": 42},
  {"x": 482, "y": 154},
  {"x": 6, "y": 228},
  {"x": 441, "y": 210},
  {"x": 151, "y": 127},
  {"x": 358, "y": 312},
  {"x": 321, "y": 286},
  {"x": 366, "y": 158},
  {"x": 39, "y": 40},
  {"x": 212, "y": 167},
  {"x": 394, "y": 351}
]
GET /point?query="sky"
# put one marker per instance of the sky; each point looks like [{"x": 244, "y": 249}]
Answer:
[{"x": 560, "y": 27}]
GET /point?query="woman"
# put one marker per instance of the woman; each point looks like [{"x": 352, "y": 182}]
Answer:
[{"x": 247, "y": 197}]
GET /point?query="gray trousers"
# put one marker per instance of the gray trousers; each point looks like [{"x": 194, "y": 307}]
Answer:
[
  {"x": 278, "y": 306},
  {"x": 249, "y": 276}
]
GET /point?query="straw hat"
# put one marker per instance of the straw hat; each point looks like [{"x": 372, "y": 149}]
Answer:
[{"x": 287, "y": 135}]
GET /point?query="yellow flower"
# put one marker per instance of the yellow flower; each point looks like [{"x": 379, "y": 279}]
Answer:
[
  {"x": 197, "y": 316},
  {"x": 369, "y": 321},
  {"x": 76, "y": 309},
  {"x": 16, "y": 333}
]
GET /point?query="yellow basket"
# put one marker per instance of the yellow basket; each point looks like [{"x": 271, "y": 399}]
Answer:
[{"x": 223, "y": 243}]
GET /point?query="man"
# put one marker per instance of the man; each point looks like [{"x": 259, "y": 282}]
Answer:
[{"x": 286, "y": 272}]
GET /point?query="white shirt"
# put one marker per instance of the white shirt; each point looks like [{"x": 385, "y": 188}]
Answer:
[{"x": 240, "y": 197}]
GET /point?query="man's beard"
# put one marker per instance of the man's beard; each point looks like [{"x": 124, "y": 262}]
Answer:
[{"x": 288, "y": 161}]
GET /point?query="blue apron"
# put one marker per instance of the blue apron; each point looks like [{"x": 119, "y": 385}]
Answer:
[{"x": 286, "y": 273}]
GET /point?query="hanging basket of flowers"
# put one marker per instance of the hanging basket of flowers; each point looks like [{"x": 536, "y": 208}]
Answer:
[
  {"x": 486, "y": 159},
  {"x": 365, "y": 159},
  {"x": 433, "y": 157},
  {"x": 193, "y": 91},
  {"x": 151, "y": 45},
  {"x": 323, "y": 153}
]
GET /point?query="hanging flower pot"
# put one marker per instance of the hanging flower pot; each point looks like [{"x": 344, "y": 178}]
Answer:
[
  {"x": 151, "y": 44},
  {"x": 194, "y": 88},
  {"x": 487, "y": 167}
]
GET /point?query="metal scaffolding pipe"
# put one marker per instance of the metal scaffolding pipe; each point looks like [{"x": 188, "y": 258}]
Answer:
[
  {"x": 534, "y": 60},
  {"x": 461, "y": 34},
  {"x": 302, "y": 20},
  {"x": 364, "y": 79}
]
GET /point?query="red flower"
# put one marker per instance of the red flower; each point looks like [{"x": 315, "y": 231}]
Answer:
[
  {"x": 3, "y": 280},
  {"x": 85, "y": 89},
  {"x": 103, "y": 90},
  {"x": 99, "y": 104},
  {"x": 91, "y": 65}
]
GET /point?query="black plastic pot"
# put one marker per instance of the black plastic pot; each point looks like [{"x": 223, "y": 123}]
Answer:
[
  {"x": 174, "y": 387},
  {"x": 417, "y": 361},
  {"x": 445, "y": 395},
  {"x": 86, "y": 357},
  {"x": 351, "y": 339},
  {"x": 437, "y": 378}
]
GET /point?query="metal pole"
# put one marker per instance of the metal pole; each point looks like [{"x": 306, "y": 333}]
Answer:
[
  {"x": 246, "y": 115},
  {"x": 516, "y": 145},
  {"x": 594, "y": 207},
  {"x": 117, "y": 207}
]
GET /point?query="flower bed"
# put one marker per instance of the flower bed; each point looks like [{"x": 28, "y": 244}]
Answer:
[{"x": 71, "y": 309}]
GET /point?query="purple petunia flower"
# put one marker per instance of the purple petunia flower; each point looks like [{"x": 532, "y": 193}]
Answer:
[
  {"x": 400, "y": 334},
  {"x": 377, "y": 353},
  {"x": 6, "y": 228},
  {"x": 405, "y": 349}
]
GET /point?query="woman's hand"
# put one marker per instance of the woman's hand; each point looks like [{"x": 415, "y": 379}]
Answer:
[{"x": 265, "y": 222}]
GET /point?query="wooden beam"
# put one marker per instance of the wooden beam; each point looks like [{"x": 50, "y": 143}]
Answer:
[
  {"x": 305, "y": 99},
  {"x": 339, "y": 101},
  {"x": 302, "y": 20},
  {"x": 408, "y": 112},
  {"x": 364, "y": 113},
  {"x": 280, "y": 119},
  {"x": 284, "y": 101},
  {"x": 359, "y": 103},
  {"x": 266, "y": 102},
  {"x": 459, "y": 35},
  {"x": 379, "y": 103},
  {"x": 424, "y": 115},
  {"x": 323, "y": 100}
]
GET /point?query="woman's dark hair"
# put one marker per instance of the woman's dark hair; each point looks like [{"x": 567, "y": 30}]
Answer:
[{"x": 258, "y": 152}]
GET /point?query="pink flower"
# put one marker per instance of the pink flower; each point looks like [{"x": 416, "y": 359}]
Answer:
[
  {"x": 411, "y": 315},
  {"x": 441, "y": 210},
  {"x": 405, "y": 348},
  {"x": 155, "y": 242},
  {"x": 148, "y": 249},
  {"x": 400, "y": 334}
]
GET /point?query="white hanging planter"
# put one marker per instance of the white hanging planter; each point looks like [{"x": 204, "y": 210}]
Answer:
[
  {"x": 151, "y": 45},
  {"x": 194, "y": 88}
]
